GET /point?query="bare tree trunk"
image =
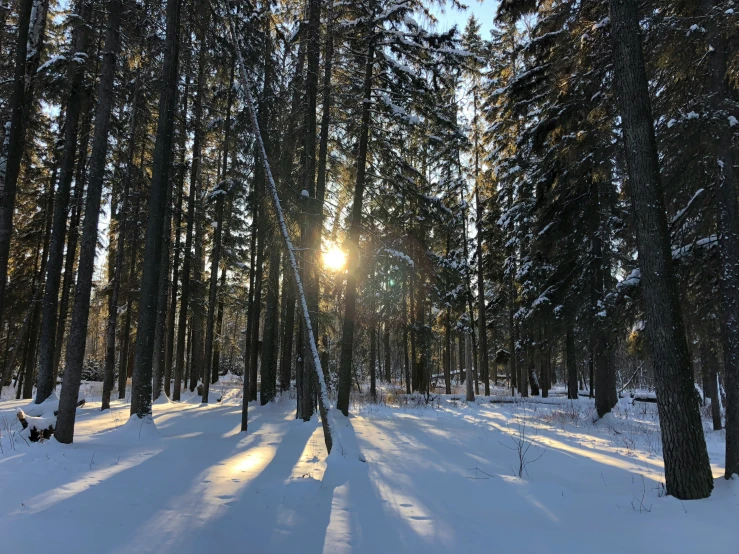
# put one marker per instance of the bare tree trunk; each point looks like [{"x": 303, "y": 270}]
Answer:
[{"x": 687, "y": 468}]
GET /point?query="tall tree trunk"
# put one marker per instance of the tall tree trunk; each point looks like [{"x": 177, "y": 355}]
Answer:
[
  {"x": 312, "y": 219},
  {"x": 162, "y": 304},
  {"x": 75, "y": 101},
  {"x": 197, "y": 318},
  {"x": 72, "y": 240},
  {"x": 687, "y": 468},
  {"x": 406, "y": 364},
  {"x": 212, "y": 359},
  {"x": 160, "y": 183},
  {"x": 386, "y": 350},
  {"x": 218, "y": 339},
  {"x": 484, "y": 364},
  {"x": 599, "y": 340},
  {"x": 353, "y": 263},
  {"x": 123, "y": 362},
  {"x": 212, "y": 292},
  {"x": 64, "y": 431},
  {"x": 728, "y": 225},
  {"x": 119, "y": 256}
]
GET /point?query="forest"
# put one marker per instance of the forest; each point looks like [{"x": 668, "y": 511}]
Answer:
[{"x": 255, "y": 228}]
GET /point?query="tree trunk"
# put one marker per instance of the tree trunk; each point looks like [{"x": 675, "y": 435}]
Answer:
[
  {"x": 288, "y": 332},
  {"x": 64, "y": 431},
  {"x": 75, "y": 101},
  {"x": 268, "y": 388},
  {"x": 572, "y": 387},
  {"x": 353, "y": 261},
  {"x": 119, "y": 256},
  {"x": 484, "y": 368},
  {"x": 162, "y": 295},
  {"x": 212, "y": 294},
  {"x": 728, "y": 227},
  {"x": 687, "y": 468}
]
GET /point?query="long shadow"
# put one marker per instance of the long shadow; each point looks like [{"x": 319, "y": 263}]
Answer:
[
  {"x": 125, "y": 503},
  {"x": 346, "y": 514},
  {"x": 205, "y": 518}
]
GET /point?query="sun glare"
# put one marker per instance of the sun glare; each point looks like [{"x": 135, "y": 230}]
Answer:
[{"x": 334, "y": 259}]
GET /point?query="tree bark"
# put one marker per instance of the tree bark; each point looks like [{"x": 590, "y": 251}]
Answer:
[{"x": 687, "y": 468}]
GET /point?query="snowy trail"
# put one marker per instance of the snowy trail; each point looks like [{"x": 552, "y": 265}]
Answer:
[{"x": 195, "y": 484}]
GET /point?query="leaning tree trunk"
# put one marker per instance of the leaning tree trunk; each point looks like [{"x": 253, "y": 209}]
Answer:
[
  {"x": 64, "y": 431},
  {"x": 687, "y": 467},
  {"x": 289, "y": 250}
]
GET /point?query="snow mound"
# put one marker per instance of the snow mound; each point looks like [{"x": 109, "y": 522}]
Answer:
[
  {"x": 136, "y": 429},
  {"x": 162, "y": 400},
  {"x": 36, "y": 427}
]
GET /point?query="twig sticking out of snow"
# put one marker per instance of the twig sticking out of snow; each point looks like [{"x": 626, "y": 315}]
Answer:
[{"x": 245, "y": 89}]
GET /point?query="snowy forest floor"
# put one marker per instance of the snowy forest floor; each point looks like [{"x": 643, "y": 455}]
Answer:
[{"x": 441, "y": 477}]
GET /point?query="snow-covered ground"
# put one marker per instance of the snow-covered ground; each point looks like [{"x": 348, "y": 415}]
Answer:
[{"x": 437, "y": 478}]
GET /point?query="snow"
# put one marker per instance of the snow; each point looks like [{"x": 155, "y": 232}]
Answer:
[
  {"x": 679, "y": 214},
  {"x": 733, "y": 121},
  {"x": 408, "y": 477}
]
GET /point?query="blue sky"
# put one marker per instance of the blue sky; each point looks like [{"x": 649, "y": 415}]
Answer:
[{"x": 484, "y": 11}]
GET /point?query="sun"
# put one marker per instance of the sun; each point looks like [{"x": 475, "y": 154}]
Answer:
[{"x": 334, "y": 259}]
